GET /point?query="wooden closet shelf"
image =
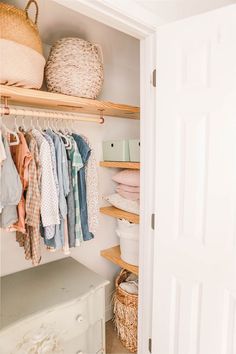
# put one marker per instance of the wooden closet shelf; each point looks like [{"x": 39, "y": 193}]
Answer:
[
  {"x": 116, "y": 164},
  {"x": 113, "y": 254},
  {"x": 42, "y": 99},
  {"x": 120, "y": 214}
]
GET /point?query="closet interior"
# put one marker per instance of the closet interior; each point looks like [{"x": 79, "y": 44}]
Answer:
[{"x": 112, "y": 116}]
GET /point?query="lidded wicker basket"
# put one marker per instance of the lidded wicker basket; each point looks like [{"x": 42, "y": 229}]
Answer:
[
  {"x": 75, "y": 67},
  {"x": 16, "y": 26},
  {"x": 126, "y": 314}
]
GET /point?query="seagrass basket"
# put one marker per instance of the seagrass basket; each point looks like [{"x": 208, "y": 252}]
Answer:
[
  {"x": 75, "y": 67},
  {"x": 126, "y": 314},
  {"x": 21, "y": 60},
  {"x": 16, "y": 26}
]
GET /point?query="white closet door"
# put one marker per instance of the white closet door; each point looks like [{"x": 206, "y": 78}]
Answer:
[{"x": 194, "y": 293}]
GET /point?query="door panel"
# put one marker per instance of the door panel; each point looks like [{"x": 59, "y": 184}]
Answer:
[{"x": 194, "y": 293}]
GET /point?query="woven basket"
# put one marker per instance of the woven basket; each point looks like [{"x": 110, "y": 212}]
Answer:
[
  {"x": 75, "y": 67},
  {"x": 16, "y": 26},
  {"x": 20, "y": 65},
  {"x": 126, "y": 314}
]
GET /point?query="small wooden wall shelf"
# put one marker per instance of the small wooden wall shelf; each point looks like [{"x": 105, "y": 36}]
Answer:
[
  {"x": 120, "y": 214},
  {"x": 42, "y": 99},
  {"x": 115, "y": 164},
  {"x": 113, "y": 254}
]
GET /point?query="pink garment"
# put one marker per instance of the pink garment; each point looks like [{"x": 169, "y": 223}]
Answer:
[
  {"x": 21, "y": 157},
  {"x": 124, "y": 187},
  {"x": 128, "y": 195}
]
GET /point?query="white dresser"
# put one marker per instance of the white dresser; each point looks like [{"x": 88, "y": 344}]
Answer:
[{"x": 58, "y": 307}]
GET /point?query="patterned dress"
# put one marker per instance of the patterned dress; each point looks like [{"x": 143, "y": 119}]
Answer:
[{"x": 31, "y": 240}]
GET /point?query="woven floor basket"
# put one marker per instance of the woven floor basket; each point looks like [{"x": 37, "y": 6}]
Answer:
[
  {"x": 126, "y": 314},
  {"x": 75, "y": 67},
  {"x": 20, "y": 65},
  {"x": 16, "y": 26}
]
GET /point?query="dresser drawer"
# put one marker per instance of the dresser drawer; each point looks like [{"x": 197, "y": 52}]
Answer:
[
  {"x": 47, "y": 342},
  {"x": 63, "y": 323},
  {"x": 90, "y": 342}
]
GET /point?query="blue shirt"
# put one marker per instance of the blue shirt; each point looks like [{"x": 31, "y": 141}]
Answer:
[{"x": 85, "y": 152}]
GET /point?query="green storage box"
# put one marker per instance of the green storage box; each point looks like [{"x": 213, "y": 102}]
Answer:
[
  {"x": 134, "y": 150},
  {"x": 116, "y": 150}
]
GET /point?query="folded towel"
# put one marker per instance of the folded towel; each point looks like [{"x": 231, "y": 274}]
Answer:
[
  {"x": 128, "y": 195},
  {"x": 122, "y": 203},
  {"x": 128, "y": 177},
  {"x": 126, "y": 188}
]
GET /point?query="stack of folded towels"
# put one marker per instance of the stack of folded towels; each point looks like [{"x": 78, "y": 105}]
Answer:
[{"x": 127, "y": 191}]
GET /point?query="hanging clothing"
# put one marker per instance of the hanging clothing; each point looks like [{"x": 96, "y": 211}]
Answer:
[
  {"x": 49, "y": 199},
  {"x": 66, "y": 247},
  {"x": 11, "y": 189},
  {"x": 2, "y": 149},
  {"x": 31, "y": 241},
  {"x": 47, "y": 184},
  {"x": 77, "y": 164},
  {"x": 21, "y": 156},
  {"x": 70, "y": 205},
  {"x": 91, "y": 175},
  {"x": 33, "y": 196},
  {"x": 49, "y": 231},
  {"x": 66, "y": 190},
  {"x": 2, "y": 159},
  {"x": 63, "y": 182},
  {"x": 85, "y": 152}
]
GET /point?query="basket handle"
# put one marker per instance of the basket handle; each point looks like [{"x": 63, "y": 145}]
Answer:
[
  {"x": 36, "y": 12},
  {"x": 100, "y": 52}
]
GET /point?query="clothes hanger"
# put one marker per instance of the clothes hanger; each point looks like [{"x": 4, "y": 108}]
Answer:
[
  {"x": 72, "y": 124},
  {"x": 50, "y": 123},
  {"x": 68, "y": 144},
  {"x": 70, "y": 127},
  {"x": 16, "y": 127},
  {"x": 31, "y": 123},
  {"x": 11, "y": 132},
  {"x": 38, "y": 127},
  {"x": 53, "y": 125},
  {"x": 32, "y": 126},
  {"x": 67, "y": 129},
  {"x": 22, "y": 126}
]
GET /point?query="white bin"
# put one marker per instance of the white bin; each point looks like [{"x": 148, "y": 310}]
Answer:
[
  {"x": 134, "y": 150},
  {"x": 115, "y": 150},
  {"x": 129, "y": 241}
]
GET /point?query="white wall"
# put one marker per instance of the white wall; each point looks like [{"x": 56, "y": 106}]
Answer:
[{"x": 121, "y": 63}]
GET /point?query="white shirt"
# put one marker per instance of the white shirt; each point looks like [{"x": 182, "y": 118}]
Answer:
[
  {"x": 2, "y": 158},
  {"x": 91, "y": 173},
  {"x": 49, "y": 196},
  {"x": 2, "y": 150}
]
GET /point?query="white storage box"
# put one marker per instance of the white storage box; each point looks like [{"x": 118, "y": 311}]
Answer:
[
  {"x": 129, "y": 241},
  {"x": 134, "y": 150},
  {"x": 116, "y": 150}
]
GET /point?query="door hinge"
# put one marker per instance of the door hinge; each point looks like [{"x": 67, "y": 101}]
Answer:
[
  {"x": 150, "y": 345},
  {"x": 153, "y": 221},
  {"x": 154, "y": 78}
]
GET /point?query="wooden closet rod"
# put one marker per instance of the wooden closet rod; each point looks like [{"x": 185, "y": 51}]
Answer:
[{"x": 5, "y": 110}]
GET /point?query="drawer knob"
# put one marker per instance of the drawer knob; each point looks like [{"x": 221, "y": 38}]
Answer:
[
  {"x": 79, "y": 352},
  {"x": 79, "y": 319}
]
